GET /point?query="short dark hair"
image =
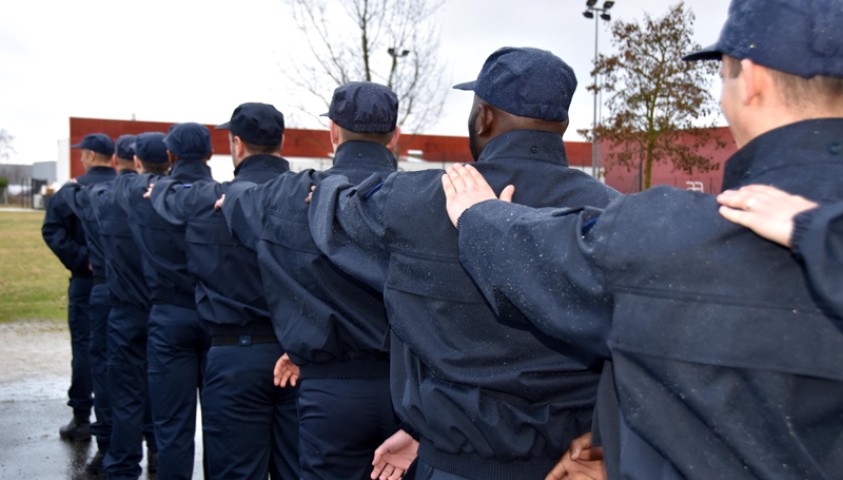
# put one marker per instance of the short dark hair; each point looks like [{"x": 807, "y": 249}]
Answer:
[
  {"x": 733, "y": 66},
  {"x": 255, "y": 149},
  {"x": 380, "y": 138},
  {"x": 160, "y": 168},
  {"x": 797, "y": 91},
  {"x": 815, "y": 91},
  {"x": 101, "y": 158}
]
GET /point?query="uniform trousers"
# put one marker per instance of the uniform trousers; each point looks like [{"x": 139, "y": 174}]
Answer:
[
  {"x": 178, "y": 344},
  {"x": 100, "y": 306},
  {"x": 341, "y": 423},
  {"x": 78, "y": 311},
  {"x": 250, "y": 426},
  {"x": 128, "y": 393}
]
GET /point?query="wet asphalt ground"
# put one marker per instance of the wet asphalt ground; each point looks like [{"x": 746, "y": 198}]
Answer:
[{"x": 34, "y": 376}]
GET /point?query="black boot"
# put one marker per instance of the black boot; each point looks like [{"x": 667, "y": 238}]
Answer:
[
  {"x": 95, "y": 467},
  {"x": 78, "y": 430}
]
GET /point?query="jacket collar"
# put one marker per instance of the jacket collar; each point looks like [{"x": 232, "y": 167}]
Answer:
[
  {"x": 799, "y": 143},
  {"x": 355, "y": 153},
  {"x": 527, "y": 144},
  {"x": 190, "y": 170},
  {"x": 260, "y": 168}
]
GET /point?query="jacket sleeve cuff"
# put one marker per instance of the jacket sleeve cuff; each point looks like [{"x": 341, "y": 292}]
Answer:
[
  {"x": 410, "y": 430},
  {"x": 801, "y": 222}
]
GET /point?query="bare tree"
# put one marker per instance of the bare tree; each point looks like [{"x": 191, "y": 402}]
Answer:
[
  {"x": 393, "y": 42},
  {"x": 6, "y": 149},
  {"x": 657, "y": 102}
]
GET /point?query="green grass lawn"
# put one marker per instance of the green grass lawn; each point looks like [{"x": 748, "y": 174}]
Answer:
[{"x": 33, "y": 283}]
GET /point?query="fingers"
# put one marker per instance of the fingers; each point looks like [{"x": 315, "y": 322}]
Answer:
[
  {"x": 397, "y": 473},
  {"x": 559, "y": 472},
  {"x": 447, "y": 186},
  {"x": 591, "y": 454},
  {"x": 454, "y": 174},
  {"x": 579, "y": 444},
  {"x": 507, "y": 193},
  {"x": 387, "y": 472},
  {"x": 378, "y": 466},
  {"x": 733, "y": 215},
  {"x": 278, "y": 372},
  {"x": 751, "y": 197}
]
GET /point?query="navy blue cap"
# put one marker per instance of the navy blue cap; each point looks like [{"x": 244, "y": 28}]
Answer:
[
  {"x": 150, "y": 148},
  {"x": 527, "y": 82},
  {"x": 98, "y": 142},
  {"x": 189, "y": 141},
  {"x": 364, "y": 107},
  {"x": 256, "y": 123},
  {"x": 800, "y": 37},
  {"x": 126, "y": 147}
]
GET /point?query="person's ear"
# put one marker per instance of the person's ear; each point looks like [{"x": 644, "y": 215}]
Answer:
[
  {"x": 754, "y": 80},
  {"x": 393, "y": 142},
  {"x": 171, "y": 158},
  {"x": 138, "y": 165},
  {"x": 485, "y": 120},
  {"x": 239, "y": 147},
  {"x": 334, "y": 131}
]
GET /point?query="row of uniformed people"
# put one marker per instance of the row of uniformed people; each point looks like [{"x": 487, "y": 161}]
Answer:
[
  {"x": 694, "y": 379},
  {"x": 117, "y": 293},
  {"x": 478, "y": 398},
  {"x": 498, "y": 333},
  {"x": 204, "y": 287}
]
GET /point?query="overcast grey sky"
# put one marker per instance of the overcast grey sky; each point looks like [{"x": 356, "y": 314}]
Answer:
[{"x": 195, "y": 60}]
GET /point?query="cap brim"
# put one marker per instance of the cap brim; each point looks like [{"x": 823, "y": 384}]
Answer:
[
  {"x": 712, "y": 52},
  {"x": 326, "y": 114},
  {"x": 465, "y": 86},
  {"x": 224, "y": 126}
]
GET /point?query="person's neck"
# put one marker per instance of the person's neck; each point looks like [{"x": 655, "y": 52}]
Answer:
[{"x": 768, "y": 121}]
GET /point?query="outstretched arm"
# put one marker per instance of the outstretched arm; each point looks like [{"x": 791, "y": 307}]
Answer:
[
  {"x": 347, "y": 225},
  {"x": 242, "y": 207},
  {"x": 532, "y": 265}
]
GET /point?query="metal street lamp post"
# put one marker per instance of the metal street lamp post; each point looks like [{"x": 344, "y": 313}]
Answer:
[
  {"x": 395, "y": 54},
  {"x": 595, "y": 12}
]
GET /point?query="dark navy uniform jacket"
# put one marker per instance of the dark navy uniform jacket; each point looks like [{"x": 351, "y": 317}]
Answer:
[
  {"x": 63, "y": 230},
  {"x": 161, "y": 243},
  {"x": 723, "y": 364},
  {"x": 123, "y": 268},
  {"x": 229, "y": 294},
  {"x": 818, "y": 239},
  {"x": 321, "y": 314},
  {"x": 472, "y": 388},
  {"x": 77, "y": 196}
]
